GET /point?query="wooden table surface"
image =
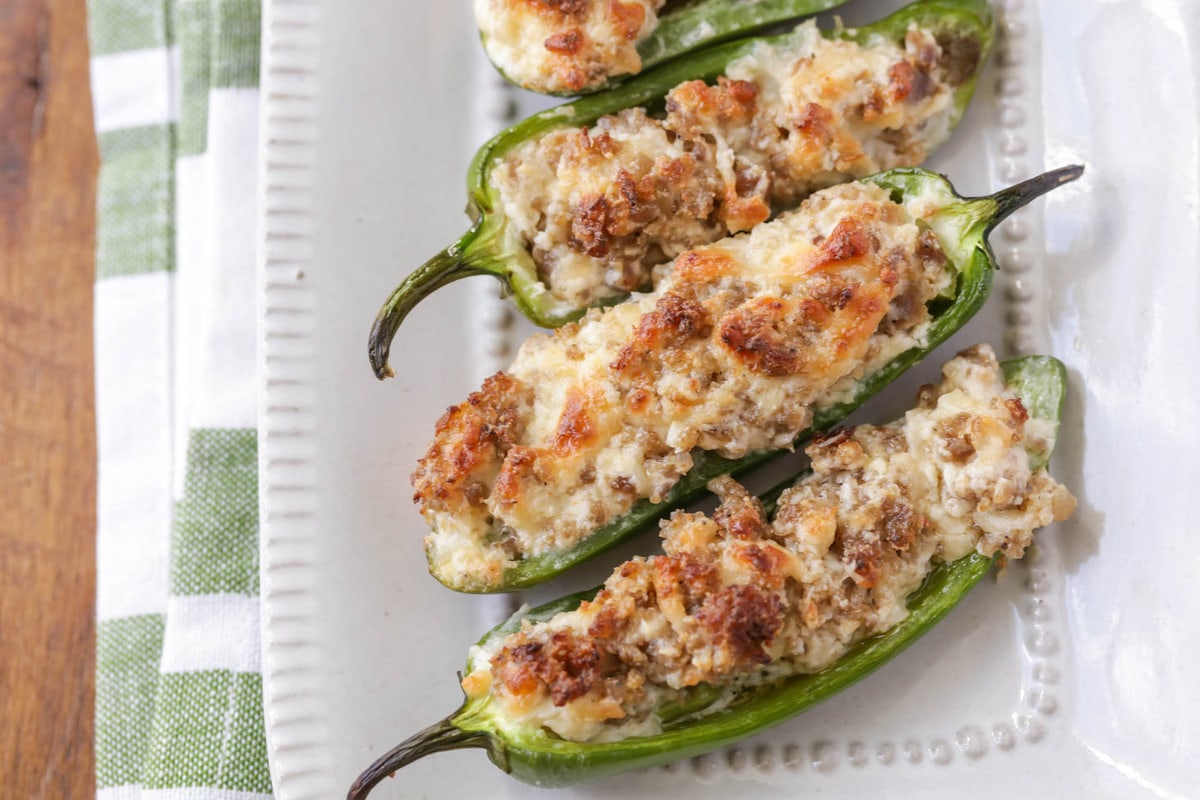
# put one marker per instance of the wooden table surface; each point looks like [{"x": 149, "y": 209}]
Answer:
[{"x": 47, "y": 422}]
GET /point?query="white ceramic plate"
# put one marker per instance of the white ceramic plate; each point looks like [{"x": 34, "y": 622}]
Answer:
[{"x": 1073, "y": 675}]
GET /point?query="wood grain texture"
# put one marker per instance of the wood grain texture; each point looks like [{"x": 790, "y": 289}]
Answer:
[{"x": 47, "y": 424}]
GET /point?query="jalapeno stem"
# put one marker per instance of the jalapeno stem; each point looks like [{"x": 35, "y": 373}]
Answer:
[
  {"x": 1022, "y": 194},
  {"x": 437, "y": 738},
  {"x": 444, "y": 268}
]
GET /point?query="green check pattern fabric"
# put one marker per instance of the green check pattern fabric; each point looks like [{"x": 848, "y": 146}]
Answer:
[{"x": 178, "y": 678}]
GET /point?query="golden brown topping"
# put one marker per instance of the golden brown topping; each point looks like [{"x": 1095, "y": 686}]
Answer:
[
  {"x": 862, "y": 555},
  {"x": 909, "y": 83},
  {"x": 589, "y": 226},
  {"x": 576, "y": 429},
  {"x": 627, "y": 18},
  {"x": 674, "y": 320},
  {"x": 761, "y": 334},
  {"x": 638, "y": 400},
  {"x": 900, "y": 522},
  {"x": 742, "y": 620},
  {"x": 816, "y": 123},
  {"x": 847, "y": 242},
  {"x": 768, "y": 564},
  {"x": 880, "y": 531},
  {"x": 740, "y": 513},
  {"x": 604, "y": 624},
  {"x": 636, "y": 208},
  {"x": 810, "y": 335},
  {"x": 955, "y": 437},
  {"x": 836, "y": 451},
  {"x": 900, "y": 80},
  {"x": 703, "y": 265},
  {"x": 744, "y": 213},
  {"x": 469, "y": 438},
  {"x": 565, "y": 42},
  {"x": 1016, "y": 410},
  {"x": 568, "y": 665},
  {"x": 682, "y": 581},
  {"x": 519, "y": 466},
  {"x": 694, "y": 108}
]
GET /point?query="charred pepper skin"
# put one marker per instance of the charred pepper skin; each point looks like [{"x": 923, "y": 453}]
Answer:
[
  {"x": 491, "y": 247},
  {"x": 543, "y": 759},
  {"x": 684, "y": 30},
  {"x": 962, "y": 226}
]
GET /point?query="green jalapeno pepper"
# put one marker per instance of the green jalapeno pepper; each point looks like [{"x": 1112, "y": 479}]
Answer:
[
  {"x": 492, "y": 247},
  {"x": 537, "y": 756},
  {"x": 961, "y": 226},
  {"x": 685, "y": 28}
]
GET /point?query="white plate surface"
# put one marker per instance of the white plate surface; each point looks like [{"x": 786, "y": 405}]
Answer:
[{"x": 1072, "y": 676}]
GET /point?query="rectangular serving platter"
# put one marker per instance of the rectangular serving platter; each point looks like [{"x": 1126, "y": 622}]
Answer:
[{"x": 1070, "y": 675}]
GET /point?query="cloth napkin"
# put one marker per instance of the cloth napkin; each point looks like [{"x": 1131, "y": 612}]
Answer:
[{"x": 178, "y": 683}]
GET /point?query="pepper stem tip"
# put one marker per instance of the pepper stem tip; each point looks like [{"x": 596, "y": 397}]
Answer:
[
  {"x": 1022, "y": 194},
  {"x": 444, "y": 268},
  {"x": 437, "y": 738}
]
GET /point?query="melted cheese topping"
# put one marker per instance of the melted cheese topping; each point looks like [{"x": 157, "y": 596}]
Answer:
[
  {"x": 565, "y": 46},
  {"x": 597, "y": 208},
  {"x": 736, "y": 601},
  {"x": 730, "y": 355}
]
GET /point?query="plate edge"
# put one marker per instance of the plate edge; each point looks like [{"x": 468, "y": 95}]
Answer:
[
  {"x": 296, "y": 723},
  {"x": 294, "y": 719}
]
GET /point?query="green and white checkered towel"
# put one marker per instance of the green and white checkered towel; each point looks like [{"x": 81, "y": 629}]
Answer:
[{"x": 178, "y": 684}]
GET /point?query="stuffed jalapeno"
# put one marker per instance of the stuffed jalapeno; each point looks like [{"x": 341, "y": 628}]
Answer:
[{"x": 744, "y": 620}]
